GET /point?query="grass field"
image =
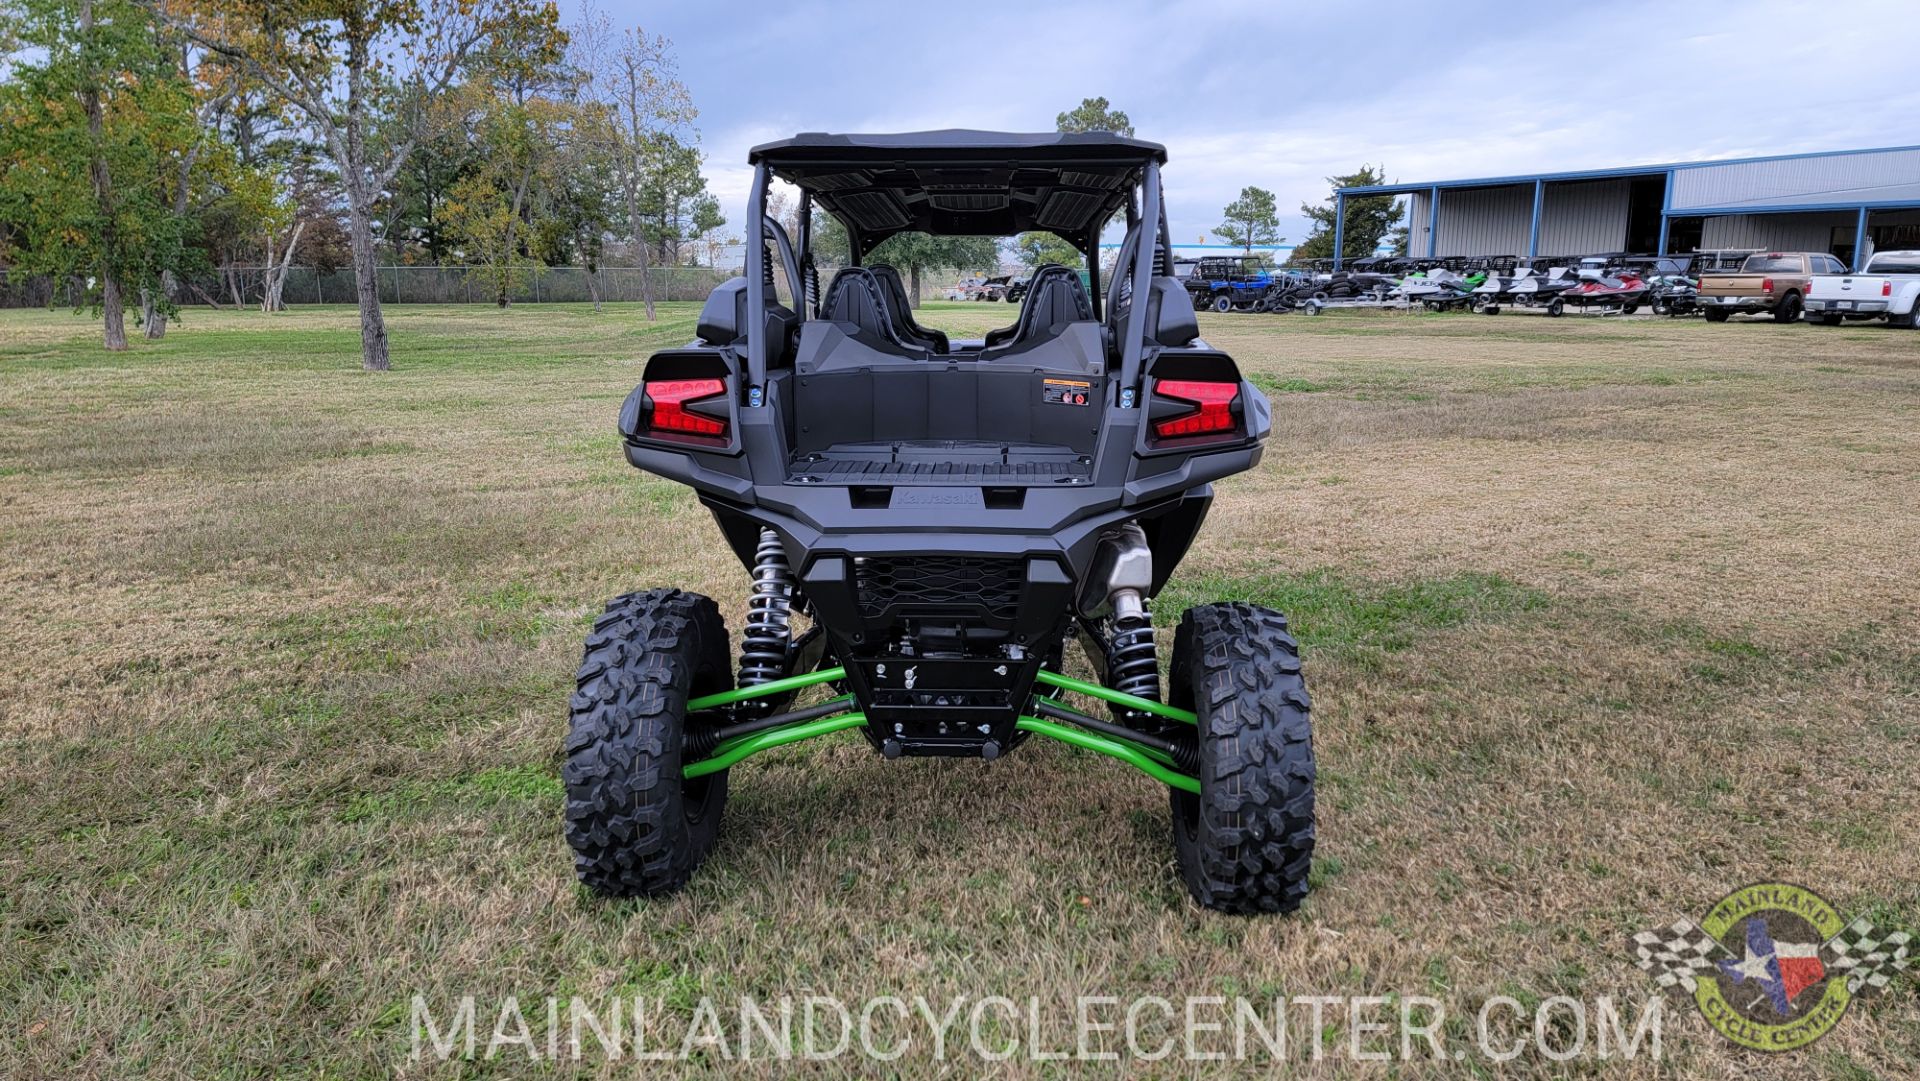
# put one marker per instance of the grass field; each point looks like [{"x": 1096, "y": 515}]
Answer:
[{"x": 1603, "y": 619}]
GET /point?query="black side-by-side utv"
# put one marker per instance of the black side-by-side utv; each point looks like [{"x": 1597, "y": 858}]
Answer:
[{"x": 940, "y": 515}]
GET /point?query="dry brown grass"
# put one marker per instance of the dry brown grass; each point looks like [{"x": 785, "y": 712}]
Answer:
[{"x": 1604, "y": 619}]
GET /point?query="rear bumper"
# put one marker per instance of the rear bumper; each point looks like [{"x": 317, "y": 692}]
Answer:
[
  {"x": 1740, "y": 304},
  {"x": 1848, "y": 307}
]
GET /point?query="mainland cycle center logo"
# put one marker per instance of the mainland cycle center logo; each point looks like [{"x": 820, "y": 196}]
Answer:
[{"x": 1772, "y": 966}]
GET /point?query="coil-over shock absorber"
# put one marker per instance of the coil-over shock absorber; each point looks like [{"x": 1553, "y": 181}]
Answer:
[
  {"x": 1132, "y": 665},
  {"x": 1121, "y": 574},
  {"x": 769, "y": 634}
]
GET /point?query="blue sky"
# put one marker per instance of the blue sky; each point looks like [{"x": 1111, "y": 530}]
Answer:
[{"x": 1282, "y": 95}]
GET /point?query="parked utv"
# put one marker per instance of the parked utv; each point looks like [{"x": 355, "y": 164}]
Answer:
[
  {"x": 925, "y": 521},
  {"x": 1225, "y": 283}
]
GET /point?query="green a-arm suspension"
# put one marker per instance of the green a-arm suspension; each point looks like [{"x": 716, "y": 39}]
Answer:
[{"x": 1167, "y": 761}]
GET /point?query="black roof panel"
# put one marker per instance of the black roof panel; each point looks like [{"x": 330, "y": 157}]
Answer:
[
  {"x": 960, "y": 182},
  {"x": 927, "y": 145}
]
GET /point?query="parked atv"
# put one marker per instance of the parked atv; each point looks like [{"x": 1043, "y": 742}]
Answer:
[{"x": 924, "y": 522}]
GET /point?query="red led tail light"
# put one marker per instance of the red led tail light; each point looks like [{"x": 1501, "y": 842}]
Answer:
[
  {"x": 1212, "y": 412},
  {"x": 670, "y": 398}
]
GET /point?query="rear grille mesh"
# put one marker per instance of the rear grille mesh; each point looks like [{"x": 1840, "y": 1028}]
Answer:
[{"x": 989, "y": 585}]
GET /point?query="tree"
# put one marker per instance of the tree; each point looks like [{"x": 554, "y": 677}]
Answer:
[
  {"x": 632, "y": 76},
  {"x": 1250, "y": 220},
  {"x": 1370, "y": 218},
  {"x": 915, "y": 253},
  {"x": 705, "y": 220},
  {"x": 91, "y": 94},
  {"x": 578, "y": 200},
  {"x": 359, "y": 72},
  {"x": 213, "y": 90},
  {"x": 1094, "y": 114},
  {"x": 303, "y": 213},
  {"x": 672, "y": 184},
  {"x": 1037, "y": 249},
  {"x": 414, "y": 211},
  {"x": 519, "y": 110}
]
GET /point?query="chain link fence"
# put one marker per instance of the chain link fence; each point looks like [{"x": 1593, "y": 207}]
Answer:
[{"x": 246, "y": 286}]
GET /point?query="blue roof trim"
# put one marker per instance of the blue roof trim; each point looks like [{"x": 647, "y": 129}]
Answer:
[
  {"x": 1791, "y": 208},
  {"x": 1604, "y": 174}
]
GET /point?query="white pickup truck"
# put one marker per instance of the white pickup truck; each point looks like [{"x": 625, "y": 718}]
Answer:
[{"x": 1889, "y": 288}]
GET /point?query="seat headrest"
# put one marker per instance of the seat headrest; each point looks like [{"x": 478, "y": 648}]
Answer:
[
  {"x": 1055, "y": 295},
  {"x": 890, "y": 281},
  {"x": 900, "y": 309},
  {"x": 856, "y": 296}
]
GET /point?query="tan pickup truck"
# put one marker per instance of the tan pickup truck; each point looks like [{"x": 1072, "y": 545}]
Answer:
[{"x": 1771, "y": 282}]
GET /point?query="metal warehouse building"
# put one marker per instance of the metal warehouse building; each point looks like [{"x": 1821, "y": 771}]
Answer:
[{"x": 1847, "y": 203}]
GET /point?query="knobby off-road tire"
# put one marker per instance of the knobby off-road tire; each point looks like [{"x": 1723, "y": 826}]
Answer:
[
  {"x": 1245, "y": 843},
  {"x": 636, "y": 828},
  {"x": 1788, "y": 310}
]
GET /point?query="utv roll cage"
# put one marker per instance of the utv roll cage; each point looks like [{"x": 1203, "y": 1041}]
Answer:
[{"x": 959, "y": 183}]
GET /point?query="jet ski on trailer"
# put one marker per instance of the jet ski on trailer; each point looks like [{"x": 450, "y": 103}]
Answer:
[
  {"x": 1533, "y": 289},
  {"x": 1618, "y": 292},
  {"x": 1440, "y": 289}
]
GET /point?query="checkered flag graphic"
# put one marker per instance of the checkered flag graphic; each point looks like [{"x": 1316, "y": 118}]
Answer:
[
  {"x": 1867, "y": 957},
  {"x": 1675, "y": 955}
]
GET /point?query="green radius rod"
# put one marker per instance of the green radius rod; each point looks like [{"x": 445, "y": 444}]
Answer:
[
  {"x": 1112, "y": 748},
  {"x": 780, "y": 737},
  {"x": 763, "y": 690},
  {"x": 735, "y": 750},
  {"x": 1118, "y": 698},
  {"x": 776, "y": 737}
]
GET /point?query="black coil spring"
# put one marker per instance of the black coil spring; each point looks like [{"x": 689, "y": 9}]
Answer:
[
  {"x": 769, "y": 633},
  {"x": 1132, "y": 665},
  {"x": 811, "y": 274}
]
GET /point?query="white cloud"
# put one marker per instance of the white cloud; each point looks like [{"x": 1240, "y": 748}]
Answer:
[{"x": 1283, "y": 96}]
